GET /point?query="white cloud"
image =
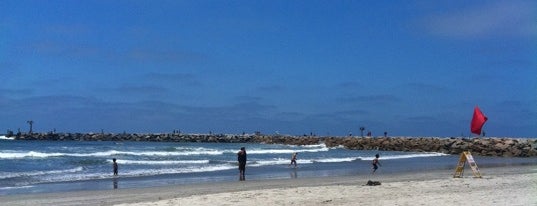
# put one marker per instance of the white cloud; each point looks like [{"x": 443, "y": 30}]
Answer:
[{"x": 497, "y": 19}]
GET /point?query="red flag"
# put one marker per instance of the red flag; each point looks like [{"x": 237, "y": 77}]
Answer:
[{"x": 478, "y": 120}]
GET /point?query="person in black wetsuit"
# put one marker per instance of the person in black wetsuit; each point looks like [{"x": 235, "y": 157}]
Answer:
[{"x": 241, "y": 157}]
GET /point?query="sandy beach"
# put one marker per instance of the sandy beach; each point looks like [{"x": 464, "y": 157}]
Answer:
[{"x": 499, "y": 186}]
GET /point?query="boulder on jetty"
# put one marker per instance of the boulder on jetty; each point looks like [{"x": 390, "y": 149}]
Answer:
[{"x": 502, "y": 147}]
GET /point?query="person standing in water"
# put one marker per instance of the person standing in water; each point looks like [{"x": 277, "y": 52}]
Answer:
[
  {"x": 293, "y": 159},
  {"x": 241, "y": 157},
  {"x": 115, "y": 166},
  {"x": 375, "y": 163}
]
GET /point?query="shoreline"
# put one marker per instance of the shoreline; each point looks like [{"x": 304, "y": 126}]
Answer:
[{"x": 317, "y": 190}]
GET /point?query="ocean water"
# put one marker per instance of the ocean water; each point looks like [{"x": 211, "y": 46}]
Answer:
[{"x": 55, "y": 166}]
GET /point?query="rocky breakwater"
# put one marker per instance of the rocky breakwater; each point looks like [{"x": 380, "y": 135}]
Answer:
[
  {"x": 165, "y": 137},
  {"x": 506, "y": 147}
]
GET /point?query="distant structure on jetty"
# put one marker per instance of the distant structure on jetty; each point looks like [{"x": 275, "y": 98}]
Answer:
[{"x": 507, "y": 147}]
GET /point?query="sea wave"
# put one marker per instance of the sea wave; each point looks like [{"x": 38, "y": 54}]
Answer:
[
  {"x": 181, "y": 170},
  {"x": 76, "y": 174},
  {"x": 161, "y": 162},
  {"x": 313, "y": 145},
  {"x": 17, "y": 155},
  {"x": 16, "y": 187},
  {"x": 34, "y": 154},
  {"x": 88, "y": 162},
  {"x": 344, "y": 159},
  {"x": 199, "y": 150},
  {"x": 285, "y": 151},
  {"x": 178, "y": 151},
  {"x": 276, "y": 161},
  {"x": 133, "y": 173},
  {"x": 406, "y": 156},
  {"x": 6, "y": 138},
  {"x": 5, "y": 175},
  {"x": 282, "y": 161}
]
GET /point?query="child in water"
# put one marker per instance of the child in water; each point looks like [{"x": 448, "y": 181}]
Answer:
[
  {"x": 115, "y": 166},
  {"x": 293, "y": 159},
  {"x": 375, "y": 163}
]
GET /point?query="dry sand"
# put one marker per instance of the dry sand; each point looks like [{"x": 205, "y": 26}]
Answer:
[{"x": 499, "y": 186}]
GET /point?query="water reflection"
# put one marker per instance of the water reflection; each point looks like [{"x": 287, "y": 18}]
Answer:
[
  {"x": 115, "y": 182},
  {"x": 293, "y": 174}
]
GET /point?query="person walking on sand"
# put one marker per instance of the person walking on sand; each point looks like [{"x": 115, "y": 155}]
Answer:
[
  {"x": 115, "y": 166},
  {"x": 293, "y": 159},
  {"x": 241, "y": 157},
  {"x": 375, "y": 163}
]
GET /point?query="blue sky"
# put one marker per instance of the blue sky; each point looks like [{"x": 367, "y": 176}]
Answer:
[{"x": 411, "y": 68}]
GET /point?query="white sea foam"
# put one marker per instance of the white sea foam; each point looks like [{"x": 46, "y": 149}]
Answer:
[
  {"x": 16, "y": 187},
  {"x": 314, "y": 146},
  {"x": 181, "y": 170},
  {"x": 285, "y": 151},
  {"x": 163, "y": 162},
  {"x": 74, "y": 177},
  {"x": 345, "y": 159},
  {"x": 148, "y": 153},
  {"x": 17, "y": 155},
  {"x": 199, "y": 150},
  {"x": 406, "y": 156},
  {"x": 281, "y": 161},
  {"x": 6, "y": 138},
  {"x": 338, "y": 147},
  {"x": 4, "y": 175},
  {"x": 70, "y": 175},
  {"x": 183, "y": 151},
  {"x": 36, "y": 154},
  {"x": 276, "y": 161}
]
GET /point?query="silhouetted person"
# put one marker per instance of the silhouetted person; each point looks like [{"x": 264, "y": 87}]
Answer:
[
  {"x": 375, "y": 163},
  {"x": 241, "y": 157},
  {"x": 115, "y": 166},
  {"x": 293, "y": 159}
]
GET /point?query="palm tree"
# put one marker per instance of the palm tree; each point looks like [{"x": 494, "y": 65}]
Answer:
[
  {"x": 362, "y": 131},
  {"x": 31, "y": 122}
]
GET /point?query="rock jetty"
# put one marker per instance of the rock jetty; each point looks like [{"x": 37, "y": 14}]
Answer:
[{"x": 503, "y": 147}]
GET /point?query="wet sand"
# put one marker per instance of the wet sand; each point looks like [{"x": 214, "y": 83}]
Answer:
[{"x": 513, "y": 185}]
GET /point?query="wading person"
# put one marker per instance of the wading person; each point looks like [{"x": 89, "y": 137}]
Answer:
[
  {"x": 241, "y": 157},
  {"x": 375, "y": 163},
  {"x": 115, "y": 166},
  {"x": 293, "y": 159}
]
